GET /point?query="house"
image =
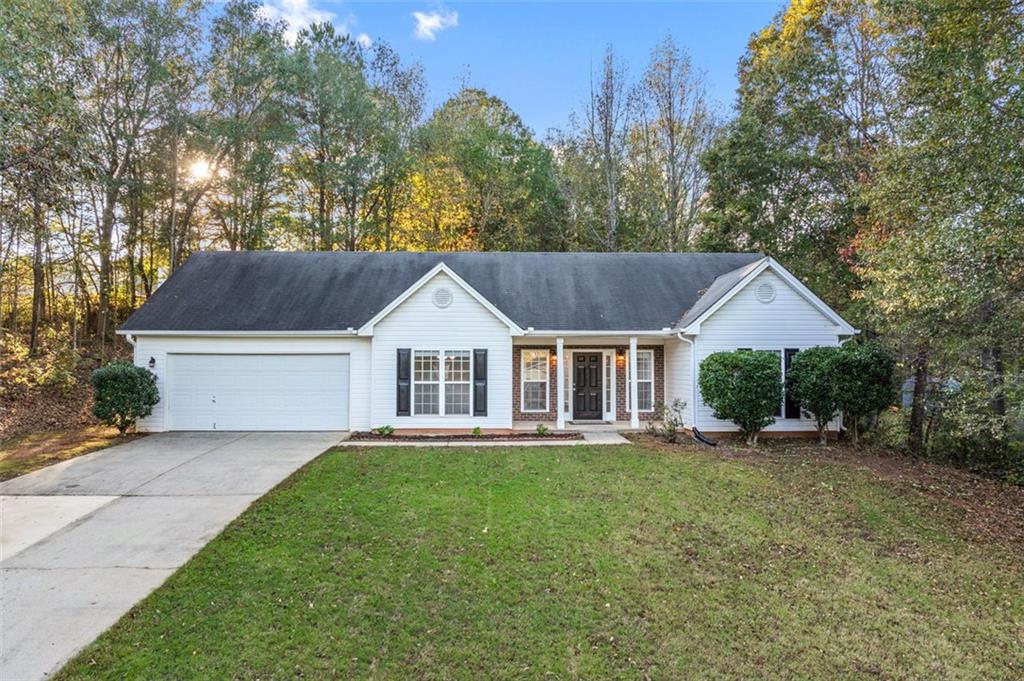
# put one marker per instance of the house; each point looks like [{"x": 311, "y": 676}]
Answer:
[{"x": 336, "y": 341}]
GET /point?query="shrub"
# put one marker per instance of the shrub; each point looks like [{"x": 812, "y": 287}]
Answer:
[
  {"x": 123, "y": 393},
  {"x": 543, "y": 430},
  {"x": 811, "y": 380},
  {"x": 478, "y": 432},
  {"x": 744, "y": 387},
  {"x": 671, "y": 418},
  {"x": 864, "y": 377},
  {"x": 384, "y": 431}
]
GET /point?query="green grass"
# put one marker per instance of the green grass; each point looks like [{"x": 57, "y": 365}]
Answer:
[{"x": 578, "y": 562}]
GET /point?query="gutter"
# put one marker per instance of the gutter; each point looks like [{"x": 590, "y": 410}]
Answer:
[
  {"x": 347, "y": 333},
  {"x": 693, "y": 378},
  {"x": 530, "y": 331}
]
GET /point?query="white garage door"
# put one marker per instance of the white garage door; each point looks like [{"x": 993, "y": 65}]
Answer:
[{"x": 257, "y": 392}]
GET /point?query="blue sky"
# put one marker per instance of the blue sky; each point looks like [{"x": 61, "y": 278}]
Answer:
[{"x": 537, "y": 56}]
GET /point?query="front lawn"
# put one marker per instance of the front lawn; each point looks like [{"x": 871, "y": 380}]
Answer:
[{"x": 582, "y": 562}]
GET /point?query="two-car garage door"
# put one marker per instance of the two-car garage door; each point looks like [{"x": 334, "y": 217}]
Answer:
[{"x": 257, "y": 392}]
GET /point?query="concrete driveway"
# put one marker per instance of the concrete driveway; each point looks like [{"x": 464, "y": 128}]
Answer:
[{"x": 84, "y": 540}]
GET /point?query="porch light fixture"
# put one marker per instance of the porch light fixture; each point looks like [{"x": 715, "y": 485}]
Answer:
[{"x": 152, "y": 362}]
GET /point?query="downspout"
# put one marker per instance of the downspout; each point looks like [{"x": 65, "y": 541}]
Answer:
[{"x": 693, "y": 378}]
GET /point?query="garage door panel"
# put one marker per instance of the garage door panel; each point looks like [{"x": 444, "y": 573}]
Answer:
[{"x": 258, "y": 392}]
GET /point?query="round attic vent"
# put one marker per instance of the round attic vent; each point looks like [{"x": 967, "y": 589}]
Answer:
[
  {"x": 442, "y": 297},
  {"x": 765, "y": 292}
]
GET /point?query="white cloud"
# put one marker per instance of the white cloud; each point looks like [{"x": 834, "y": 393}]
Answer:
[
  {"x": 429, "y": 24},
  {"x": 364, "y": 40},
  {"x": 297, "y": 14}
]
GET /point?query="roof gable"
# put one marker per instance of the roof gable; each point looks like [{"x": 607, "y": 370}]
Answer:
[
  {"x": 367, "y": 328},
  {"x": 728, "y": 285}
]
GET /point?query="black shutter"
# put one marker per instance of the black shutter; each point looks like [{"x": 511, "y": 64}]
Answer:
[
  {"x": 403, "y": 385},
  {"x": 792, "y": 406},
  {"x": 480, "y": 382}
]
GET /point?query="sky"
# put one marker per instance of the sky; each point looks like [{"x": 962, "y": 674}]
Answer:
[{"x": 538, "y": 56}]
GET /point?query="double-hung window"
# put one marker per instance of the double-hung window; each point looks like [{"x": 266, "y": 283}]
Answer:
[
  {"x": 431, "y": 382},
  {"x": 644, "y": 381},
  {"x": 534, "y": 377},
  {"x": 426, "y": 382},
  {"x": 456, "y": 381}
]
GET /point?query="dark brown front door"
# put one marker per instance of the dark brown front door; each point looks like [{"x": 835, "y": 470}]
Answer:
[{"x": 586, "y": 384}]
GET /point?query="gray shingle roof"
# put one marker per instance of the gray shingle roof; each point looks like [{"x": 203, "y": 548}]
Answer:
[
  {"x": 273, "y": 291},
  {"x": 719, "y": 287}
]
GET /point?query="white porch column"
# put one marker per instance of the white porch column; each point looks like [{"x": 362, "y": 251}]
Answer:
[
  {"x": 560, "y": 375},
  {"x": 634, "y": 411}
]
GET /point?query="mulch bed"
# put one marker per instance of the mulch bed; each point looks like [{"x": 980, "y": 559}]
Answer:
[{"x": 468, "y": 437}]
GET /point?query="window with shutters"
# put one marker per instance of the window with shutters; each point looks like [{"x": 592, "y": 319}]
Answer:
[
  {"x": 442, "y": 382},
  {"x": 534, "y": 380}
]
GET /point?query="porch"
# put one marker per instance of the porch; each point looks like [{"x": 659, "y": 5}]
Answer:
[{"x": 581, "y": 382}]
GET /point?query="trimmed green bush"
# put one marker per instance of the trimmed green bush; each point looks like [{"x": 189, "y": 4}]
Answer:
[
  {"x": 864, "y": 377},
  {"x": 122, "y": 394},
  {"x": 811, "y": 380},
  {"x": 744, "y": 387}
]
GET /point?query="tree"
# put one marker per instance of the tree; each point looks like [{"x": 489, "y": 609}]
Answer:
[
  {"x": 330, "y": 100},
  {"x": 509, "y": 178},
  {"x": 864, "y": 380},
  {"x": 123, "y": 394},
  {"x": 944, "y": 252},
  {"x": 744, "y": 387},
  {"x": 132, "y": 50},
  {"x": 788, "y": 175},
  {"x": 672, "y": 128},
  {"x": 41, "y": 126},
  {"x": 811, "y": 380},
  {"x": 247, "y": 125},
  {"x": 593, "y": 154}
]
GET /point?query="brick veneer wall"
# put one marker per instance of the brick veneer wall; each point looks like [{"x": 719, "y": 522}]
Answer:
[{"x": 622, "y": 414}]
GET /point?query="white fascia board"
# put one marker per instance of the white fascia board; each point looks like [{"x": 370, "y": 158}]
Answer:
[
  {"x": 842, "y": 326},
  {"x": 591, "y": 332},
  {"x": 367, "y": 328},
  {"x": 264, "y": 334}
]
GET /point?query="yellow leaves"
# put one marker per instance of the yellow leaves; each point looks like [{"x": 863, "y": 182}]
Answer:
[{"x": 435, "y": 215}]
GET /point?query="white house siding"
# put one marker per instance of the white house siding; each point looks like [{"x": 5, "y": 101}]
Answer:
[
  {"x": 678, "y": 385},
  {"x": 158, "y": 347},
  {"x": 789, "y": 321},
  {"x": 465, "y": 324}
]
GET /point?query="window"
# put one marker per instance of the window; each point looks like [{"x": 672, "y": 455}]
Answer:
[
  {"x": 609, "y": 384},
  {"x": 644, "y": 381},
  {"x": 430, "y": 382},
  {"x": 426, "y": 382},
  {"x": 788, "y": 408},
  {"x": 456, "y": 381},
  {"x": 534, "y": 380}
]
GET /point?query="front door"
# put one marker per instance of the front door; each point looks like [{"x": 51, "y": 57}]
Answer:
[{"x": 586, "y": 384}]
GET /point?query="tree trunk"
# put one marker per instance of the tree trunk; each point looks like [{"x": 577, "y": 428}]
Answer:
[
  {"x": 106, "y": 231},
  {"x": 915, "y": 440},
  {"x": 38, "y": 282}
]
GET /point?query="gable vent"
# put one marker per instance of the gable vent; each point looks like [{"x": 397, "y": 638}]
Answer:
[
  {"x": 442, "y": 297},
  {"x": 765, "y": 292}
]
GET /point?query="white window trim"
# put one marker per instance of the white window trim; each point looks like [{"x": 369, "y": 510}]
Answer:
[
  {"x": 653, "y": 382},
  {"x": 441, "y": 411},
  {"x": 523, "y": 381}
]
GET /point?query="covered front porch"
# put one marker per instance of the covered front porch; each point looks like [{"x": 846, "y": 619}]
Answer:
[{"x": 576, "y": 380}]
